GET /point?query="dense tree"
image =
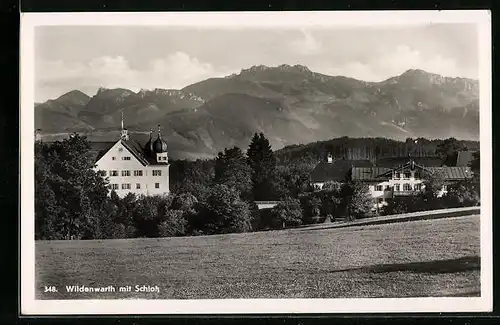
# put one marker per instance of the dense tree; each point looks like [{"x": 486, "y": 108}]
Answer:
[
  {"x": 184, "y": 202},
  {"x": 311, "y": 206},
  {"x": 263, "y": 164},
  {"x": 365, "y": 148},
  {"x": 193, "y": 177},
  {"x": 231, "y": 169},
  {"x": 448, "y": 151},
  {"x": 430, "y": 197},
  {"x": 70, "y": 195},
  {"x": 288, "y": 212},
  {"x": 395, "y": 205},
  {"x": 432, "y": 185},
  {"x": 358, "y": 200},
  {"x": 174, "y": 224},
  {"x": 46, "y": 205},
  {"x": 462, "y": 194},
  {"x": 125, "y": 217},
  {"x": 293, "y": 178},
  {"x": 224, "y": 212},
  {"x": 109, "y": 225}
]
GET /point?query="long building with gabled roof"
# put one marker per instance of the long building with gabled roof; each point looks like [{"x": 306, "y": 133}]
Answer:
[{"x": 388, "y": 180}]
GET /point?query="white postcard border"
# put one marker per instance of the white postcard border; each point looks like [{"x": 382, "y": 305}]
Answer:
[{"x": 31, "y": 306}]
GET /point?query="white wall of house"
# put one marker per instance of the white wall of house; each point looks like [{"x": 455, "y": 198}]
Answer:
[
  {"x": 401, "y": 182},
  {"x": 132, "y": 175}
]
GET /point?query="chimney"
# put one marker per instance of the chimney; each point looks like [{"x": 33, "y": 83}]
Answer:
[{"x": 329, "y": 159}]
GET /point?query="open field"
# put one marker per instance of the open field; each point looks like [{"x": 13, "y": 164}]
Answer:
[{"x": 424, "y": 258}]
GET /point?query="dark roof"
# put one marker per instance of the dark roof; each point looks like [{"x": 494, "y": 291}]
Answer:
[
  {"x": 136, "y": 150},
  {"x": 368, "y": 173},
  {"x": 452, "y": 173},
  {"x": 464, "y": 158},
  {"x": 393, "y": 162},
  {"x": 337, "y": 170},
  {"x": 380, "y": 173},
  {"x": 133, "y": 146}
]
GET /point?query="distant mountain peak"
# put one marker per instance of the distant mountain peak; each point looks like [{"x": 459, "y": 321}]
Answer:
[
  {"x": 417, "y": 72},
  {"x": 174, "y": 93},
  {"x": 74, "y": 94},
  {"x": 282, "y": 67}
]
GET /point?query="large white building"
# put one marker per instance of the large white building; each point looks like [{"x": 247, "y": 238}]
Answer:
[{"x": 133, "y": 168}]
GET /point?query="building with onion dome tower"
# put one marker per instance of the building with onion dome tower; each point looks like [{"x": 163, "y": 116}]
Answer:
[{"x": 134, "y": 168}]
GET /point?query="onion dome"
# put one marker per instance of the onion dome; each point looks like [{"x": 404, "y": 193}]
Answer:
[{"x": 159, "y": 145}]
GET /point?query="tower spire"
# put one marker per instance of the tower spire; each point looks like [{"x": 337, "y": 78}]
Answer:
[
  {"x": 124, "y": 132},
  {"x": 159, "y": 131}
]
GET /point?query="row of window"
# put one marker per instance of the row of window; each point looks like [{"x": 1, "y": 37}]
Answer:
[
  {"x": 127, "y": 186},
  {"x": 406, "y": 175},
  {"x": 127, "y": 173},
  {"x": 397, "y": 187},
  {"x": 128, "y": 158}
]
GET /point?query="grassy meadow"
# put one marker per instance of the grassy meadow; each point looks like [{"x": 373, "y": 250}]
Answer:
[{"x": 439, "y": 257}]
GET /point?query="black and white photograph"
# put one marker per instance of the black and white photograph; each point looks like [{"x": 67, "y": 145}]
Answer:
[{"x": 281, "y": 162}]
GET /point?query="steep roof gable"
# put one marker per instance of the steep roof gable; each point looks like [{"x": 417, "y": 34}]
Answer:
[
  {"x": 129, "y": 147},
  {"x": 135, "y": 150}
]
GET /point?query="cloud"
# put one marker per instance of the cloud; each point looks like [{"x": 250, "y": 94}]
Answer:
[
  {"x": 306, "y": 44},
  {"x": 177, "y": 70},
  {"x": 392, "y": 62}
]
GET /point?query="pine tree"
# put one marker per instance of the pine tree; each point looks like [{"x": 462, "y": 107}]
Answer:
[
  {"x": 263, "y": 164},
  {"x": 232, "y": 169}
]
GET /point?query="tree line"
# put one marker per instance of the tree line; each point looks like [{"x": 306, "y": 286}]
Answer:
[
  {"x": 208, "y": 196},
  {"x": 374, "y": 149}
]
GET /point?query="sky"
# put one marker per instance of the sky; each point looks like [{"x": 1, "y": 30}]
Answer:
[{"x": 142, "y": 57}]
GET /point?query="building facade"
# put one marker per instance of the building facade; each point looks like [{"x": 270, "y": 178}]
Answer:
[
  {"x": 134, "y": 168},
  {"x": 387, "y": 182}
]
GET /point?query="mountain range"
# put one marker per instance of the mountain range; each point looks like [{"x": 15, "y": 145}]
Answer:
[{"x": 290, "y": 104}]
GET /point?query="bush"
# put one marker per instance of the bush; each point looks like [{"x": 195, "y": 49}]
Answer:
[
  {"x": 311, "y": 207},
  {"x": 173, "y": 224},
  {"x": 395, "y": 206},
  {"x": 223, "y": 212},
  {"x": 462, "y": 194},
  {"x": 288, "y": 212}
]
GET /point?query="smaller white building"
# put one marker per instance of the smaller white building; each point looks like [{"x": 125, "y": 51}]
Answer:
[
  {"x": 133, "y": 168},
  {"x": 386, "y": 182}
]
